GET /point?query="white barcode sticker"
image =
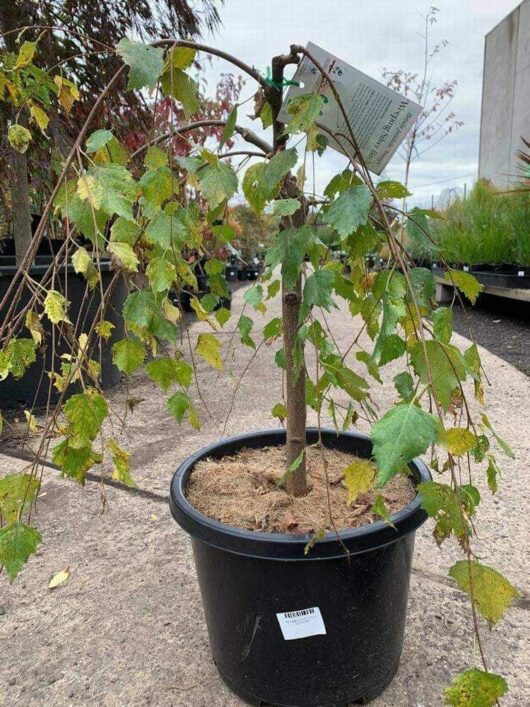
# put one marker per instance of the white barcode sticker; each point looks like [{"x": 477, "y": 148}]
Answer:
[{"x": 301, "y": 623}]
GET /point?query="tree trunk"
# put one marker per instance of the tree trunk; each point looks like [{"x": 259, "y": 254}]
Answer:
[
  {"x": 10, "y": 19},
  {"x": 20, "y": 205},
  {"x": 291, "y": 300},
  {"x": 295, "y": 390}
]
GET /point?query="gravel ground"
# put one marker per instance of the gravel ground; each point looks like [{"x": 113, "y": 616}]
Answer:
[{"x": 501, "y": 326}]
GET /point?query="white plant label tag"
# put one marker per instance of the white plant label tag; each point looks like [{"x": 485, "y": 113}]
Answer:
[
  {"x": 301, "y": 624},
  {"x": 380, "y": 118}
]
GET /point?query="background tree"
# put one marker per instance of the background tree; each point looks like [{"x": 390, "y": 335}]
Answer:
[
  {"x": 91, "y": 63},
  {"x": 435, "y": 121}
]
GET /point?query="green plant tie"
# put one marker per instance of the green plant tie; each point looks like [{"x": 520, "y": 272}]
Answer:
[{"x": 277, "y": 84}]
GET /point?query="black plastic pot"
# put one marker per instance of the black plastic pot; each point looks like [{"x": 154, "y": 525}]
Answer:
[
  {"x": 231, "y": 273},
  {"x": 248, "y": 578},
  {"x": 32, "y": 388}
]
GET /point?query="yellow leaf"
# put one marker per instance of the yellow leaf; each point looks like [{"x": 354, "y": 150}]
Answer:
[
  {"x": 170, "y": 312},
  {"x": 39, "y": 116},
  {"x": 68, "y": 93},
  {"x": 59, "y": 578},
  {"x": 55, "y": 305},
  {"x": 209, "y": 348},
  {"x": 458, "y": 441},
  {"x": 34, "y": 326},
  {"x": 104, "y": 329},
  {"x": 32, "y": 421},
  {"x": 153, "y": 517},
  {"x": 89, "y": 190},
  {"x": 25, "y": 54},
  {"x": 359, "y": 478}
]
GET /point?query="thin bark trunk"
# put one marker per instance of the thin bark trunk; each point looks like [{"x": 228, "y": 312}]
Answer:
[
  {"x": 296, "y": 483},
  {"x": 20, "y": 205},
  {"x": 10, "y": 19}
]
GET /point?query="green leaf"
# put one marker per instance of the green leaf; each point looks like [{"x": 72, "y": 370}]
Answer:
[
  {"x": 262, "y": 181},
  {"x": 218, "y": 183},
  {"x": 144, "y": 309},
  {"x": 145, "y": 63},
  {"x": 155, "y": 157},
  {"x": 55, "y": 306},
  {"x": 502, "y": 444},
  {"x": 125, "y": 256},
  {"x": 222, "y": 315},
  {"x": 124, "y": 231},
  {"x": 392, "y": 190},
  {"x": 349, "y": 210},
  {"x": 178, "y": 405},
  {"x": 183, "y": 88},
  {"x": 18, "y": 137},
  {"x": 168, "y": 371},
  {"x": 18, "y": 355},
  {"x": 285, "y": 207},
  {"x": 272, "y": 329},
  {"x": 17, "y": 493},
  {"x": 441, "y": 502},
  {"x": 445, "y": 364},
  {"x": 423, "y": 286},
  {"x": 128, "y": 355},
  {"x": 229, "y": 128},
  {"x": 458, "y": 441},
  {"x": 442, "y": 319},
  {"x": 209, "y": 348},
  {"x": 280, "y": 411},
  {"x": 341, "y": 182},
  {"x": 74, "y": 462},
  {"x": 161, "y": 274},
  {"x": 380, "y": 509},
  {"x": 245, "y": 325},
  {"x": 491, "y": 592},
  {"x": 491, "y": 474},
  {"x": 17, "y": 542},
  {"x": 289, "y": 250},
  {"x": 122, "y": 463},
  {"x": 317, "y": 290},
  {"x": 85, "y": 413},
  {"x": 305, "y": 109},
  {"x": 475, "y": 688},
  {"x": 466, "y": 283},
  {"x": 403, "y": 433},
  {"x": 359, "y": 478},
  {"x": 254, "y": 296},
  {"x": 404, "y": 385},
  {"x": 157, "y": 186},
  {"x": 97, "y": 140}
]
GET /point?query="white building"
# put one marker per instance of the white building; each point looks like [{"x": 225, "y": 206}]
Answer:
[{"x": 505, "y": 97}]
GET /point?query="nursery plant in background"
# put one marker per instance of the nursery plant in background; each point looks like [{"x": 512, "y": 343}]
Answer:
[{"x": 144, "y": 213}]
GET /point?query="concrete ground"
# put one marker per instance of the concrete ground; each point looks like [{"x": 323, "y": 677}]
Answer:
[{"x": 127, "y": 628}]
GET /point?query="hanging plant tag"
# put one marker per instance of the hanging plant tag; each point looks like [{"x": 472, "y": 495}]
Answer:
[
  {"x": 380, "y": 118},
  {"x": 301, "y": 624}
]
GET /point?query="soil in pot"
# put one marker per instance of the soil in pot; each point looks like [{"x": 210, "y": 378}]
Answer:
[{"x": 242, "y": 491}]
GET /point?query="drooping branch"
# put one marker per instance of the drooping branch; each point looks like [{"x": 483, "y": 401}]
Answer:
[
  {"x": 250, "y": 70},
  {"x": 247, "y": 135}
]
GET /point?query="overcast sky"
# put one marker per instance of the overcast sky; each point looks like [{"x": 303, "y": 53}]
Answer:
[{"x": 370, "y": 35}]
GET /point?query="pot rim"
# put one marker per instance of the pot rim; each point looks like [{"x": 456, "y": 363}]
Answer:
[{"x": 283, "y": 546}]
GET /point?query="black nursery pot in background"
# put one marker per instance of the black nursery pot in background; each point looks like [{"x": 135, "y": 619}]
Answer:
[
  {"x": 32, "y": 388},
  {"x": 317, "y": 630}
]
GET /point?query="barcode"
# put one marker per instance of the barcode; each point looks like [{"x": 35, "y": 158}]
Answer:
[{"x": 302, "y": 612}]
